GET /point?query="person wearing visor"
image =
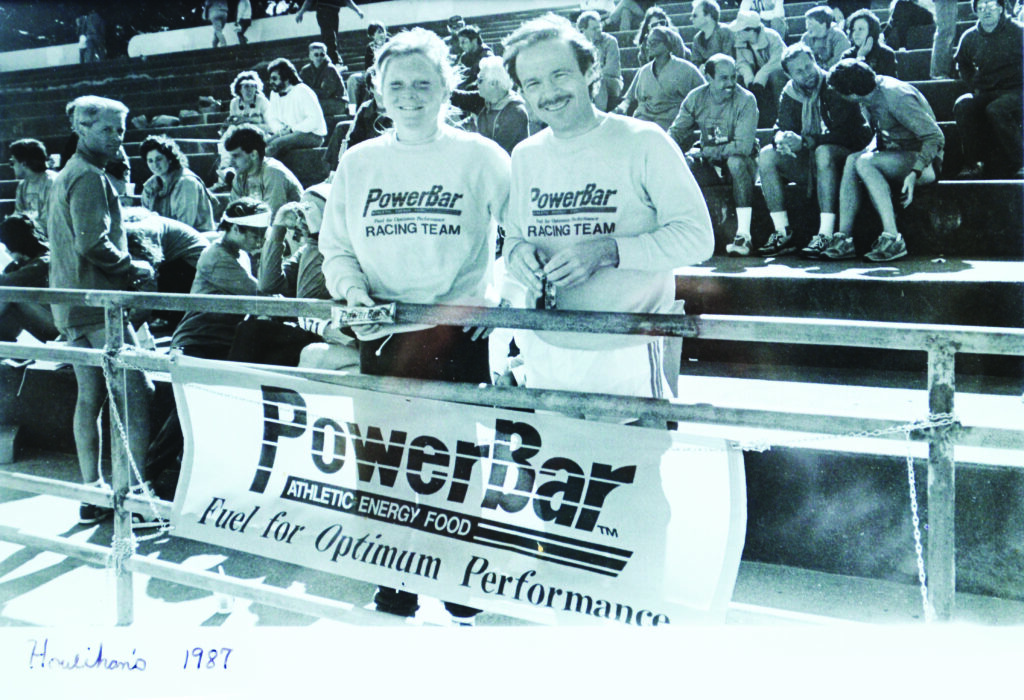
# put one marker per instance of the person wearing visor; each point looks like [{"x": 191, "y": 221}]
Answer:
[{"x": 226, "y": 267}]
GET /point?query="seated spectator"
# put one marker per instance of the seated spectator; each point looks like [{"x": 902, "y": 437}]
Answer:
[
  {"x": 904, "y": 15},
  {"x": 657, "y": 17},
  {"x": 256, "y": 175},
  {"x": 28, "y": 158},
  {"x": 815, "y": 132},
  {"x": 173, "y": 190},
  {"x": 325, "y": 78},
  {"x": 712, "y": 36},
  {"x": 989, "y": 60},
  {"x": 249, "y": 105},
  {"x": 867, "y": 44},
  {"x": 726, "y": 116},
  {"x": 358, "y": 91},
  {"x": 771, "y": 12},
  {"x": 294, "y": 119},
  {"x": 455, "y": 23},
  {"x": 473, "y": 49},
  {"x": 907, "y": 149},
  {"x": 659, "y": 87},
  {"x": 609, "y": 90},
  {"x": 369, "y": 122},
  {"x": 171, "y": 247},
  {"x": 504, "y": 118},
  {"x": 226, "y": 267},
  {"x": 759, "y": 62},
  {"x": 628, "y": 13},
  {"x": 30, "y": 267},
  {"x": 825, "y": 41}
]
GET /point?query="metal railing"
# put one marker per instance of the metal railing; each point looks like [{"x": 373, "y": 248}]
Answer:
[{"x": 940, "y": 428}]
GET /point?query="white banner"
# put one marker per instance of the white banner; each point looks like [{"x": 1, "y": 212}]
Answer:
[{"x": 542, "y": 517}]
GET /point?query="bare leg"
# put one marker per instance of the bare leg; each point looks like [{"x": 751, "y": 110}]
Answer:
[
  {"x": 849, "y": 194},
  {"x": 875, "y": 169},
  {"x": 87, "y": 409},
  {"x": 828, "y": 162}
]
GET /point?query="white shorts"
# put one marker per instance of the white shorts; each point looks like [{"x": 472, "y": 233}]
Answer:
[{"x": 635, "y": 370}]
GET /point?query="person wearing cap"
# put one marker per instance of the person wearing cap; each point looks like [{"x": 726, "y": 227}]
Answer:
[
  {"x": 759, "y": 62},
  {"x": 30, "y": 267},
  {"x": 226, "y": 267},
  {"x": 771, "y": 12},
  {"x": 455, "y": 23}
]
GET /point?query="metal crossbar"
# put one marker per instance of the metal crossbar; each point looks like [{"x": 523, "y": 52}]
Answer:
[{"x": 941, "y": 343}]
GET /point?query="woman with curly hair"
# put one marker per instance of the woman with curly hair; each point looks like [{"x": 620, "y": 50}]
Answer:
[
  {"x": 174, "y": 191},
  {"x": 249, "y": 105},
  {"x": 657, "y": 17},
  {"x": 867, "y": 43}
]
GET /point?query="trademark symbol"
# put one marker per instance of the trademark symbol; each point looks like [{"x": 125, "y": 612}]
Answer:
[{"x": 610, "y": 531}]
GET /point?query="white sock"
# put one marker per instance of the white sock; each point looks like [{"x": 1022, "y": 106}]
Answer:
[
  {"x": 743, "y": 221},
  {"x": 828, "y": 224},
  {"x": 781, "y": 220}
]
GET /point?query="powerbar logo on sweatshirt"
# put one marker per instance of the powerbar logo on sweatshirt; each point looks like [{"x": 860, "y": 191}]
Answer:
[
  {"x": 436, "y": 200},
  {"x": 590, "y": 200}
]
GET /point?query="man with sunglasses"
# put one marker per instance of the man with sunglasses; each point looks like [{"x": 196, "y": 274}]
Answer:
[{"x": 324, "y": 77}]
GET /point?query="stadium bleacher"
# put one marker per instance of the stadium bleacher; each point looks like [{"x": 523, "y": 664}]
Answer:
[{"x": 966, "y": 265}]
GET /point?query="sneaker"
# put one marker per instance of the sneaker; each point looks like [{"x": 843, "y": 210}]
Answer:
[
  {"x": 840, "y": 249},
  {"x": 781, "y": 243},
  {"x": 739, "y": 246},
  {"x": 817, "y": 246},
  {"x": 395, "y": 602},
  {"x": 889, "y": 246},
  {"x": 88, "y": 514}
]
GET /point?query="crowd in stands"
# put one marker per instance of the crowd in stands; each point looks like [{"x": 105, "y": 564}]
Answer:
[{"x": 845, "y": 129}]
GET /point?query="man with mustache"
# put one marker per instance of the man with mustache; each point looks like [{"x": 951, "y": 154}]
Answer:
[
  {"x": 726, "y": 115},
  {"x": 602, "y": 209}
]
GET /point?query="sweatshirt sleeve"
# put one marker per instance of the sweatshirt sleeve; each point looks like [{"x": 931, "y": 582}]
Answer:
[
  {"x": 914, "y": 116},
  {"x": 272, "y": 278},
  {"x": 684, "y": 235},
  {"x": 91, "y": 221},
  {"x": 225, "y": 274},
  {"x": 341, "y": 267},
  {"x": 187, "y": 200}
]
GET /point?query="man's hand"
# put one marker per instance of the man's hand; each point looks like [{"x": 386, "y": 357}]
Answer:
[
  {"x": 907, "y": 192},
  {"x": 357, "y": 296},
  {"x": 788, "y": 143},
  {"x": 140, "y": 275},
  {"x": 299, "y": 16},
  {"x": 525, "y": 264},
  {"x": 575, "y": 264}
]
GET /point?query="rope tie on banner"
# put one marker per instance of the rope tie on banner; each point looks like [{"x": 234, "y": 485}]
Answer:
[{"x": 110, "y": 362}]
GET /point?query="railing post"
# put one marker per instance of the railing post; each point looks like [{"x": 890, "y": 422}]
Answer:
[
  {"x": 941, "y": 482},
  {"x": 119, "y": 471}
]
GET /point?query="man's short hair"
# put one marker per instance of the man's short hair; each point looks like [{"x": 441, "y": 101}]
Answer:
[
  {"x": 247, "y": 137},
  {"x": 286, "y": 69},
  {"x": 821, "y": 13},
  {"x": 455, "y": 21},
  {"x": 30, "y": 153},
  {"x": 710, "y": 8},
  {"x": 318, "y": 45},
  {"x": 375, "y": 27},
  {"x": 425, "y": 43},
  {"x": 711, "y": 65},
  {"x": 246, "y": 76},
  {"x": 18, "y": 234},
  {"x": 545, "y": 28},
  {"x": 794, "y": 50},
  {"x": 167, "y": 147},
  {"x": 874, "y": 24},
  {"x": 852, "y": 77},
  {"x": 584, "y": 20},
  {"x": 85, "y": 110},
  {"x": 470, "y": 31}
]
